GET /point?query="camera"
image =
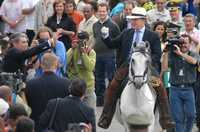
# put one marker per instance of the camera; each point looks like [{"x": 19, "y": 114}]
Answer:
[
  {"x": 177, "y": 40},
  {"x": 83, "y": 37},
  {"x": 40, "y": 41}
]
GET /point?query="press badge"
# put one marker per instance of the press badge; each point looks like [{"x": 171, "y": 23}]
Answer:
[
  {"x": 181, "y": 72},
  {"x": 79, "y": 62}
]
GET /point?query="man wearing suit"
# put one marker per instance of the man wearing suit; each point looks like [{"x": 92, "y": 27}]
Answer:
[
  {"x": 70, "y": 109},
  {"x": 40, "y": 90},
  {"x": 15, "y": 57},
  {"x": 124, "y": 41}
]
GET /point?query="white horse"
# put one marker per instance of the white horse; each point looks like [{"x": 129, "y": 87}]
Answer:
[{"x": 135, "y": 108}]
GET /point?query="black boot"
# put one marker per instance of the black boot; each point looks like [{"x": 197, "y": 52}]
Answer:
[
  {"x": 164, "y": 108},
  {"x": 113, "y": 92}
]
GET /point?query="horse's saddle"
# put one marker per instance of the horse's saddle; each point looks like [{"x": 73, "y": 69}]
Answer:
[{"x": 155, "y": 81}]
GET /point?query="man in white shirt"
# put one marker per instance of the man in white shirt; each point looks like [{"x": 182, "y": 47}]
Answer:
[
  {"x": 11, "y": 13},
  {"x": 28, "y": 9},
  {"x": 194, "y": 33},
  {"x": 87, "y": 24},
  {"x": 159, "y": 13},
  {"x": 43, "y": 10}
]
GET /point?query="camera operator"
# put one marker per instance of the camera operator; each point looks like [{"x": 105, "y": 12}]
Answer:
[
  {"x": 15, "y": 57},
  {"x": 183, "y": 64},
  {"x": 81, "y": 63}
]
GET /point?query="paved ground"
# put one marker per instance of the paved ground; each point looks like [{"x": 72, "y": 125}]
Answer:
[{"x": 115, "y": 126}]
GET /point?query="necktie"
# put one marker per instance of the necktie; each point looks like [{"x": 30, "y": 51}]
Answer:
[{"x": 137, "y": 37}]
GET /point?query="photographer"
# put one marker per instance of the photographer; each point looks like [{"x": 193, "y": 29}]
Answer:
[
  {"x": 183, "y": 64},
  {"x": 81, "y": 63},
  {"x": 15, "y": 56}
]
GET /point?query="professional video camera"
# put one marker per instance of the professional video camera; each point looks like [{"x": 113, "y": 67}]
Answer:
[
  {"x": 177, "y": 40},
  {"x": 13, "y": 80}
]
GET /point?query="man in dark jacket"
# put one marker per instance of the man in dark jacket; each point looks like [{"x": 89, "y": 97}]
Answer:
[
  {"x": 40, "y": 90},
  {"x": 124, "y": 42},
  {"x": 70, "y": 109},
  {"x": 15, "y": 57}
]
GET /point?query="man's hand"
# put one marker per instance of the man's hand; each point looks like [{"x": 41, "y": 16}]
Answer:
[
  {"x": 34, "y": 43},
  {"x": 178, "y": 50},
  {"x": 105, "y": 32},
  {"x": 13, "y": 24}
]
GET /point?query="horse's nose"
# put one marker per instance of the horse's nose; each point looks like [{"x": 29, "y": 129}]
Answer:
[
  {"x": 138, "y": 86},
  {"x": 138, "y": 82}
]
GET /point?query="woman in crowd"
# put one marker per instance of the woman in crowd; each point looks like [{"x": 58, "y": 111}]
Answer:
[
  {"x": 160, "y": 27},
  {"x": 61, "y": 23},
  {"x": 70, "y": 9}
]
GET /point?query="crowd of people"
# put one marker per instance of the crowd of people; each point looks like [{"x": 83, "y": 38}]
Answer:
[{"x": 74, "y": 56}]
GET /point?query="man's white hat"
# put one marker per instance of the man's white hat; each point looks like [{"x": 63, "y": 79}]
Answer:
[
  {"x": 137, "y": 12},
  {"x": 3, "y": 106}
]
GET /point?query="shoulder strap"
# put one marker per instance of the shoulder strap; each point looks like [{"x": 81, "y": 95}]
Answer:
[{"x": 53, "y": 114}]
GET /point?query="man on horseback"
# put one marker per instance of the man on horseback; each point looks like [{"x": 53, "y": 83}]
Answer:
[{"x": 124, "y": 43}]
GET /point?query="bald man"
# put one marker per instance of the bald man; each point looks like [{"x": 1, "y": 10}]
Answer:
[
  {"x": 11, "y": 98},
  {"x": 40, "y": 90}
]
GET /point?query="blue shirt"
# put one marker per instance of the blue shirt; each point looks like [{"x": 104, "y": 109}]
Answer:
[
  {"x": 60, "y": 52},
  {"x": 140, "y": 34}
]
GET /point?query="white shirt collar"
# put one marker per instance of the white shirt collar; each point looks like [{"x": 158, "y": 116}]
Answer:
[{"x": 142, "y": 29}]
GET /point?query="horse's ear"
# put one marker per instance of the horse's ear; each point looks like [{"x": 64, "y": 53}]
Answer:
[
  {"x": 134, "y": 45},
  {"x": 147, "y": 44}
]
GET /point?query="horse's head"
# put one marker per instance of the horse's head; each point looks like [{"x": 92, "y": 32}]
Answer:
[{"x": 139, "y": 64}]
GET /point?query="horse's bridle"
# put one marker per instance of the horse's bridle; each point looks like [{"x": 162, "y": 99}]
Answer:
[{"x": 139, "y": 76}]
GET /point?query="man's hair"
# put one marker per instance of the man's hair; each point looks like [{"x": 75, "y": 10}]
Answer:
[
  {"x": 103, "y": 4},
  {"x": 71, "y": 2},
  {"x": 14, "y": 38},
  {"x": 129, "y": 2},
  {"x": 190, "y": 16},
  {"x": 77, "y": 87},
  {"x": 5, "y": 92},
  {"x": 43, "y": 29},
  {"x": 187, "y": 36},
  {"x": 24, "y": 124},
  {"x": 48, "y": 61},
  {"x": 16, "y": 110}
]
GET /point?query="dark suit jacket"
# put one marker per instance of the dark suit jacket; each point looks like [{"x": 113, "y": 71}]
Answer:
[
  {"x": 15, "y": 59},
  {"x": 70, "y": 110},
  {"x": 40, "y": 90},
  {"x": 123, "y": 42}
]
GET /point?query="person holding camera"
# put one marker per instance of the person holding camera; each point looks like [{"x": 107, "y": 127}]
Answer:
[
  {"x": 183, "y": 64},
  {"x": 58, "y": 48},
  {"x": 16, "y": 56},
  {"x": 81, "y": 63}
]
